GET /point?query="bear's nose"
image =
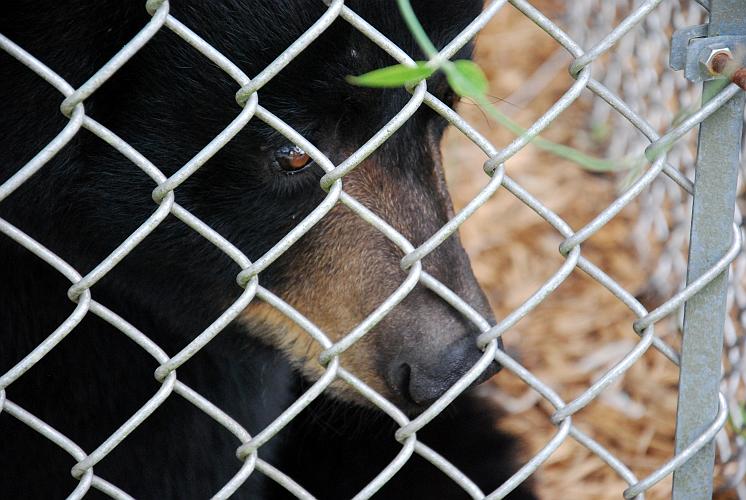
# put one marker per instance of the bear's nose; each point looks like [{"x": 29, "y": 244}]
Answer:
[{"x": 421, "y": 378}]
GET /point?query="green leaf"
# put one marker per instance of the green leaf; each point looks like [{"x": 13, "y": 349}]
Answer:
[
  {"x": 466, "y": 78},
  {"x": 393, "y": 76}
]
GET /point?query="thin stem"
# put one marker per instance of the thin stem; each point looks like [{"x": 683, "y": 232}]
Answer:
[
  {"x": 569, "y": 153},
  {"x": 418, "y": 32},
  {"x": 572, "y": 154}
]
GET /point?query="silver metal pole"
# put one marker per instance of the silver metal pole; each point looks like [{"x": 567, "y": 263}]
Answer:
[{"x": 716, "y": 174}]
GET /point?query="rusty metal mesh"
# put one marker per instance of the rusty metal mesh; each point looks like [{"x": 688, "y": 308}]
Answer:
[{"x": 497, "y": 182}]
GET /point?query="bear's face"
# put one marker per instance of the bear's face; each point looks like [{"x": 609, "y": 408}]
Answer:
[
  {"x": 168, "y": 102},
  {"x": 344, "y": 268}
]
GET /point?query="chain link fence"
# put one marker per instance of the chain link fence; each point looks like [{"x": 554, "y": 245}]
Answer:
[{"x": 617, "y": 34}]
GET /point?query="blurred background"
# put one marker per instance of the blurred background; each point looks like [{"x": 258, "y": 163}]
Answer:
[{"x": 581, "y": 330}]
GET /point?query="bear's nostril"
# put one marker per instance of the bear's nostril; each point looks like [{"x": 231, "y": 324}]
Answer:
[
  {"x": 400, "y": 378},
  {"x": 425, "y": 388},
  {"x": 413, "y": 385},
  {"x": 424, "y": 377}
]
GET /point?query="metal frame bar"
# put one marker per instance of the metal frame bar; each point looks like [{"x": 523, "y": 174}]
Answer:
[{"x": 718, "y": 156}]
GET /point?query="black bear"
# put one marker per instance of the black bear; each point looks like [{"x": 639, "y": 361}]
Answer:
[{"x": 167, "y": 102}]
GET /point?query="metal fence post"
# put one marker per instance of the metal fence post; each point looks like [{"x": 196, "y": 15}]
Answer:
[{"x": 704, "y": 315}]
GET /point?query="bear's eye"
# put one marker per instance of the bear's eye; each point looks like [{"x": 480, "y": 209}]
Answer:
[{"x": 291, "y": 159}]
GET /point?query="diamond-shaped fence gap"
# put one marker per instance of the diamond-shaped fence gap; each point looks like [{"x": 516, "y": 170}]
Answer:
[
  {"x": 391, "y": 410},
  {"x": 395, "y": 297},
  {"x": 292, "y": 51},
  {"x": 508, "y": 31},
  {"x": 210, "y": 332},
  {"x": 50, "y": 138},
  {"x": 183, "y": 412},
  {"x": 527, "y": 253},
  {"x": 621, "y": 404},
  {"x": 67, "y": 130},
  {"x": 538, "y": 296},
  {"x": 64, "y": 315},
  {"x": 616, "y": 234},
  {"x": 552, "y": 444},
  {"x": 61, "y": 441},
  {"x": 623, "y": 350},
  {"x": 58, "y": 359},
  {"x": 544, "y": 121},
  {"x": 631, "y": 302},
  {"x": 305, "y": 225},
  {"x": 533, "y": 257},
  {"x": 115, "y": 63},
  {"x": 66, "y": 326},
  {"x": 479, "y": 199},
  {"x": 584, "y": 478},
  {"x": 187, "y": 393},
  {"x": 36, "y": 163},
  {"x": 382, "y": 135},
  {"x": 180, "y": 388},
  {"x": 229, "y": 424},
  {"x": 122, "y": 432},
  {"x": 306, "y": 398},
  {"x": 219, "y": 117},
  {"x": 511, "y": 392}
]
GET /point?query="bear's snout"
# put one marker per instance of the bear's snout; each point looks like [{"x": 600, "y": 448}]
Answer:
[{"x": 421, "y": 376}]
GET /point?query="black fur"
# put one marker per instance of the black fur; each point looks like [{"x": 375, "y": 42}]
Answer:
[{"x": 168, "y": 102}]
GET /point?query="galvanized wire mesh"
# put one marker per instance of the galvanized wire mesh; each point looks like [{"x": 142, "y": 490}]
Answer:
[{"x": 498, "y": 182}]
